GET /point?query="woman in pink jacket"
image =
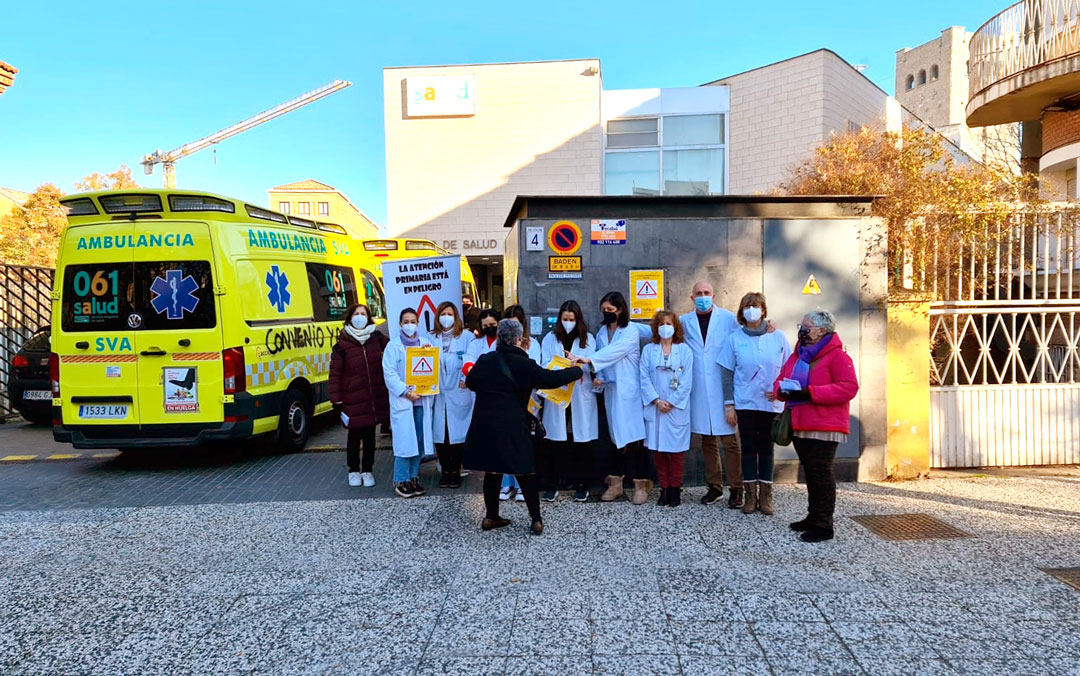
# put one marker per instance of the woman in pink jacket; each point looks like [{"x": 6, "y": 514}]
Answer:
[{"x": 819, "y": 414}]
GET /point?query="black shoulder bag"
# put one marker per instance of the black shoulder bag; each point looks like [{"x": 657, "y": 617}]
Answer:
[{"x": 536, "y": 426}]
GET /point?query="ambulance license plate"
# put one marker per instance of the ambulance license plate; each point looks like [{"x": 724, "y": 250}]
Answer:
[
  {"x": 104, "y": 412},
  {"x": 37, "y": 395}
]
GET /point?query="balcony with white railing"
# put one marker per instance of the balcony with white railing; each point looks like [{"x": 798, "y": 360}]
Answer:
[{"x": 1022, "y": 60}]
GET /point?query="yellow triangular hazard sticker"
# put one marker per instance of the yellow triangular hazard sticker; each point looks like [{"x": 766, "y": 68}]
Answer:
[{"x": 812, "y": 288}]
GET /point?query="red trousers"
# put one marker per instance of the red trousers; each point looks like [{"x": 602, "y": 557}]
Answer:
[{"x": 669, "y": 469}]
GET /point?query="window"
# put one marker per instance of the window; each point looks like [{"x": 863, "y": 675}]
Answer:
[
  {"x": 39, "y": 342},
  {"x": 283, "y": 207},
  {"x": 692, "y": 161},
  {"x": 374, "y": 295},
  {"x": 324, "y": 208},
  {"x": 140, "y": 296},
  {"x": 922, "y": 77},
  {"x": 333, "y": 290},
  {"x": 909, "y": 84},
  {"x": 933, "y": 72},
  {"x": 633, "y": 133},
  {"x": 303, "y": 208}
]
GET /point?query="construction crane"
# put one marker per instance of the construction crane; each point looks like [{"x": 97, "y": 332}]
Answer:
[{"x": 167, "y": 160}]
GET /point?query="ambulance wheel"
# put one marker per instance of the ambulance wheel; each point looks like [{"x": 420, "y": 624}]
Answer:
[{"x": 295, "y": 424}]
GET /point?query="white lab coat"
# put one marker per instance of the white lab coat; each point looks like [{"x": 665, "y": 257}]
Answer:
[
  {"x": 583, "y": 413},
  {"x": 667, "y": 432},
  {"x": 479, "y": 347},
  {"x": 535, "y": 351},
  {"x": 756, "y": 361},
  {"x": 401, "y": 409},
  {"x": 453, "y": 404},
  {"x": 707, "y": 397},
  {"x": 617, "y": 360}
]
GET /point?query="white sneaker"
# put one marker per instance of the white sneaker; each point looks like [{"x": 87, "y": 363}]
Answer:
[
  {"x": 464, "y": 472},
  {"x": 506, "y": 493},
  {"x": 354, "y": 479},
  {"x": 368, "y": 479},
  {"x": 520, "y": 497}
]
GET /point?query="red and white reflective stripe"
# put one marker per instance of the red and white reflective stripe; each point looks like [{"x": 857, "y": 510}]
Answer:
[
  {"x": 196, "y": 356},
  {"x": 97, "y": 358}
]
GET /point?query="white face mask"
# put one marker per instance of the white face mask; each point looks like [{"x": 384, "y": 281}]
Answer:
[
  {"x": 446, "y": 320},
  {"x": 568, "y": 326},
  {"x": 358, "y": 321},
  {"x": 409, "y": 329},
  {"x": 751, "y": 314},
  {"x": 666, "y": 331}
]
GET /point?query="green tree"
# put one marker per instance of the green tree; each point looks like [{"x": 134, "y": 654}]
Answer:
[
  {"x": 30, "y": 234},
  {"x": 117, "y": 180}
]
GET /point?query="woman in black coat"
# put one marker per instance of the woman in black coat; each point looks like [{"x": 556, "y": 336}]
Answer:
[{"x": 499, "y": 441}]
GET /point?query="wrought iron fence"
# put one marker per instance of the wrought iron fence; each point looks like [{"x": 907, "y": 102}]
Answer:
[
  {"x": 1027, "y": 34},
  {"x": 25, "y": 306}
]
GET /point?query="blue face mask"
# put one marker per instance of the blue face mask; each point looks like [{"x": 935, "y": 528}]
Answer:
[{"x": 703, "y": 303}]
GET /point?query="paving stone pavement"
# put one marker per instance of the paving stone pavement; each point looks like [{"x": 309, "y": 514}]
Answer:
[{"x": 392, "y": 586}]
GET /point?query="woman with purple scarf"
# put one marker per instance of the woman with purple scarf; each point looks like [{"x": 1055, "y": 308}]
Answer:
[{"x": 819, "y": 403}]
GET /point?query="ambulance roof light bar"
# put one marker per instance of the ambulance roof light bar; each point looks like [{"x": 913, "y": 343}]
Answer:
[{"x": 168, "y": 159}]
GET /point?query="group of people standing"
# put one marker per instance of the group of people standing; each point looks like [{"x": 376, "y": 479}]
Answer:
[{"x": 721, "y": 375}]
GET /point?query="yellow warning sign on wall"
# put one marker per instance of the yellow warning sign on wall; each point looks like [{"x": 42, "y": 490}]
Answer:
[
  {"x": 646, "y": 293},
  {"x": 812, "y": 288},
  {"x": 422, "y": 369}
]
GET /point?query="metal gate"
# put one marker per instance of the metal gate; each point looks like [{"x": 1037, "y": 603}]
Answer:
[
  {"x": 25, "y": 306},
  {"x": 1005, "y": 343}
]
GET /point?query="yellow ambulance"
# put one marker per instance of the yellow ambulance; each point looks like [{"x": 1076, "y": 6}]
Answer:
[{"x": 184, "y": 317}]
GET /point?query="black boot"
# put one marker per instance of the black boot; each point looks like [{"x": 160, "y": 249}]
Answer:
[
  {"x": 815, "y": 534},
  {"x": 800, "y": 526},
  {"x": 675, "y": 496},
  {"x": 663, "y": 501},
  {"x": 444, "y": 479},
  {"x": 455, "y": 480}
]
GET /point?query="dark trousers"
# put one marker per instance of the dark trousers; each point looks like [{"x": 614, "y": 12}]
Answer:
[
  {"x": 492, "y": 485},
  {"x": 352, "y": 449},
  {"x": 563, "y": 463},
  {"x": 817, "y": 461},
  {"x": 450, "y": 456},
  {"x": 669, "y": 469},
  {"x": 632, "y": 461},
  {"x": 755, "y": 431}
]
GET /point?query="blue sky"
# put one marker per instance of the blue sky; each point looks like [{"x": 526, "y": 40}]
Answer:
[{"x": 101, "y": 85}]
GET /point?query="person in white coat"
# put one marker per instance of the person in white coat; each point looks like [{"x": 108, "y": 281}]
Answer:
[
  {"x": 454, "y": 402},
  {"x": 410, "y": 413},
  {"x": 706, "y": 329},
  {"x": 616, "y": 363},
  {"x": 751, "y": 361},
  {"x": 567, "y": 452},
  {"x": 667, "y": 378}
]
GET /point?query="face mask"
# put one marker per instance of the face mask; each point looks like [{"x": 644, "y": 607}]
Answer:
[
  {"x": 490, "y": 331},
  {"x": 703, "y": 303},
  {"x": 804, "y": 335},
  {"x": 751, "y": 314},
  {"x": 569, "y": 326},
  {"x": 609, "y": 318},
  {"x": 446, "y": 320},
  {"x": 409, "y": 329},
  {"x": 666, "y": 331},
  {"x": 358, "y": 321}
]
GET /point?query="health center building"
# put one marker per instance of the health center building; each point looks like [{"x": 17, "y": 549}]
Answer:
[{"x": 463, "y": 141}]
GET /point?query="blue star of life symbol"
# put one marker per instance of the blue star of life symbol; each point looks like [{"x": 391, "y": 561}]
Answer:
[
  {"x": 278, "y": 284},
  {"x": 175, "y": 294}
]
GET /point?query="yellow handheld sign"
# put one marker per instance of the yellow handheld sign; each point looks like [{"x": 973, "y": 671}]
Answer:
[
  {"x": 559, "y": 396},
  {"x": 646, "y": 293},
  {"x": 422, "y": 369}
]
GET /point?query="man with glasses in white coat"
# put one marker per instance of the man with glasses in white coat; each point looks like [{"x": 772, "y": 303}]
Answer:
[{"x": 705, "y": 329}]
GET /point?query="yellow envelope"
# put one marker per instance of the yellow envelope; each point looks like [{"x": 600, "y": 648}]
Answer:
[{"x": 559, "y": 396}]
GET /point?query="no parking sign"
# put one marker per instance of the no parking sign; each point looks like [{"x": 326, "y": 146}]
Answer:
[{"x": 564, "y": 238}]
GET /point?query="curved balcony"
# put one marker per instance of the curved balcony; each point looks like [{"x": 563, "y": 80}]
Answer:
[{"x": 1022, "y": 60}]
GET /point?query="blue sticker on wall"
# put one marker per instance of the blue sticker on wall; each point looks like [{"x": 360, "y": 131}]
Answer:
[
  {"x": 175, "y": 295},
  {"x": 278, "y": 284}
]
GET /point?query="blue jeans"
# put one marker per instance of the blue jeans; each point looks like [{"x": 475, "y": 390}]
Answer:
[
  {"x": 406, "y": 469},
  {"x": 509, "y": 481}
]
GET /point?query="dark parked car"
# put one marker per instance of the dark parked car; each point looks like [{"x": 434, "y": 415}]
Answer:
[{"x": 30, "y": 388}]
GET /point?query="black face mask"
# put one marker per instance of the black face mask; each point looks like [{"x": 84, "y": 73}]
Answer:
[
  {"x": 610, "y": 318},
  {"x": 490, "y": 331},
  {"x": 804, "y": 335}
]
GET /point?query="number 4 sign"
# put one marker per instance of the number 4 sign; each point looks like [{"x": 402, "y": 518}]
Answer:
[{"x": 534, "y": 238}]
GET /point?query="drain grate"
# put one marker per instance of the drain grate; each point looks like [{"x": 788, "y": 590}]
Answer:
[
  {"x": 900, "y": 527},
  {"x": 1070, "y": 576}
]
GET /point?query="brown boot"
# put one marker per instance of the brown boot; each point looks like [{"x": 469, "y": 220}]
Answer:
[
  {"x": 614, "y": 489},
  {"x": 765, "y": 499},
  {"x": 750, "y": 502},
  {"x": 641, "y": 492}
]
